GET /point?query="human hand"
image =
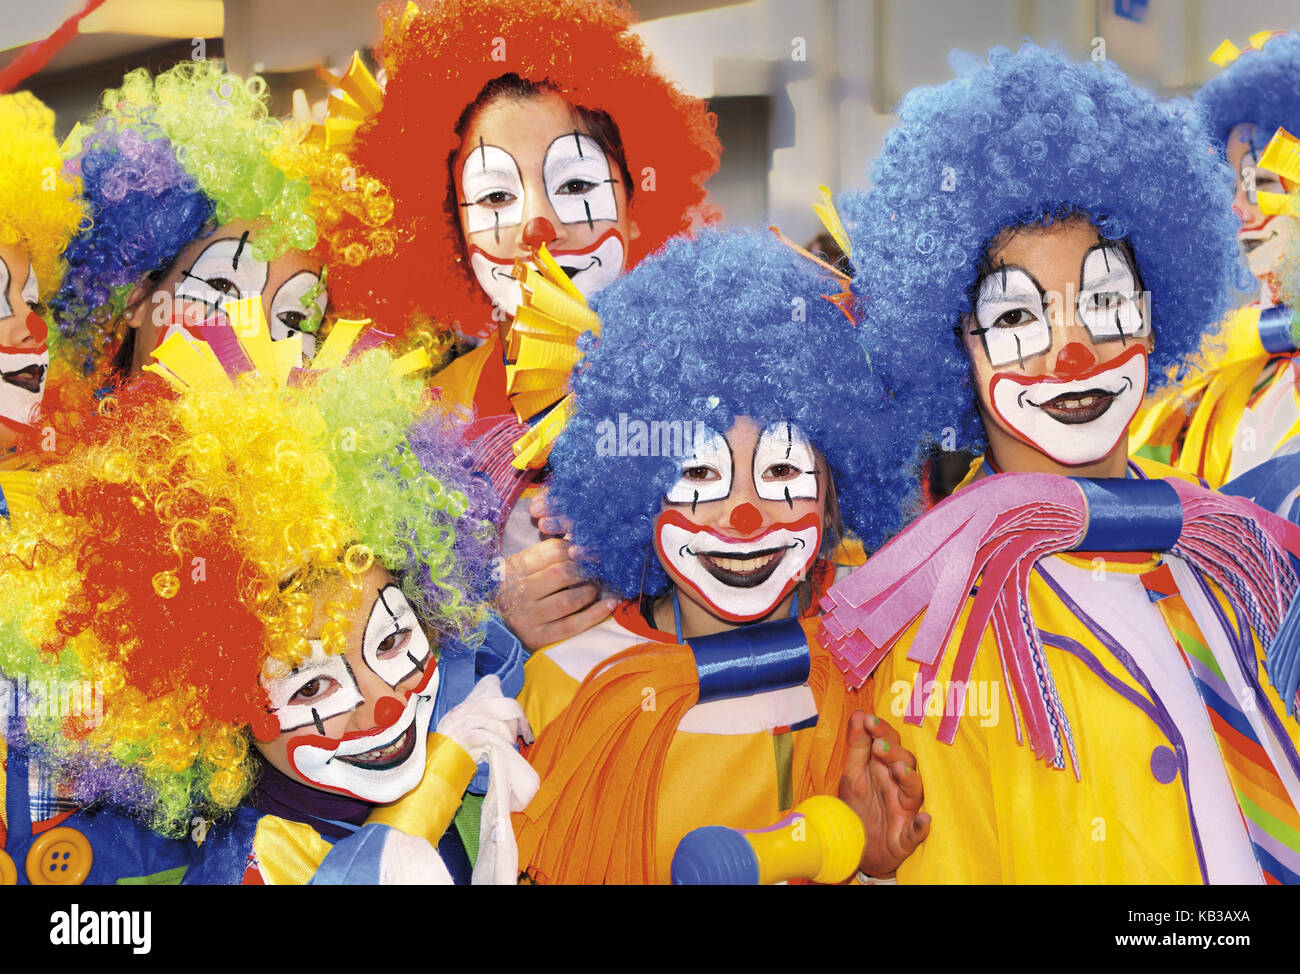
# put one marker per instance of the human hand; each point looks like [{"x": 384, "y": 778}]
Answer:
[
  {"x": 545, "y": 597},
  {"x": 881, "y": 783}
]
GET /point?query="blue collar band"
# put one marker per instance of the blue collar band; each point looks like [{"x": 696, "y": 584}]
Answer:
[
  {"x": 1130, "y": 515},
  {"x": 752, "y": 659}
]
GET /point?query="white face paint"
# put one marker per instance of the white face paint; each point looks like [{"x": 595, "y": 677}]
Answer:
[
  {"x": 31, "y": 288},
  {"x": 1092, "y": 411},
  {"x": 300, "y": 300},
  {"x": 395, "y": 646},
  {"x": 740, "y": 580},
  {"x": 706, "y": 476},
  {"x": 379, "y": 764},
  {"x": 1110, "y": 304},
  {"x": 784, "y": 465},
  {"x": 1012, "y": 320},
  {"x": 23, "y": 368},
  {"x": 226, "y": 270},
  {"x": 591, "y": 270},
  {"x": 492, "y": 189},
  {"x": 709, "y": 540},
  {"x": 1264, "y": 238},
  {"x": 578, "y": 182},
  {"x": 321, "y": 688}
]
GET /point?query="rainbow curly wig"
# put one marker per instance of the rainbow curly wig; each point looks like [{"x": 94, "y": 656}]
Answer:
[
  {"x": 439, "y": 62},
  {"x": 1262, "y": 86},
  {"x": 1026, "y": 139},
  {"x": 190, "y": 538},
  {"x": 169, "y": 158},
  {"x": 40, "y": 208},
  {"x": 747, "y": 332}
]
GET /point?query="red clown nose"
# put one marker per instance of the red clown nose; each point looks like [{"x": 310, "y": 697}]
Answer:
[
  {"x": 538, "y": 231},
  {"x": 388, "y": 711},
  {"x": 746, "y": 519},
  {"x": 37, "y": 327},
  {"x": 1075, "y": 359}
]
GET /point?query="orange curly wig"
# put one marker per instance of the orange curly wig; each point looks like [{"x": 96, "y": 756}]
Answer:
[{"x": 437, "y": 61}]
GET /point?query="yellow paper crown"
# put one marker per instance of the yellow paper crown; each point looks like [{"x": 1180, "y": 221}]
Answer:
[
  {"x": 1227, "y": 52},
  {"x": 1281, "y": 156},
  {"x": 357, "y": 99},
  {"x": 187, "y": 363}
]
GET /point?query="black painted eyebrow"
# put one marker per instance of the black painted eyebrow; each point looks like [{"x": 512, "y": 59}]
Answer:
[
  {"x": 1001, "y": 271},
  {"x": 234, "y": 261},
  {"x": 1112, "y": 247}
]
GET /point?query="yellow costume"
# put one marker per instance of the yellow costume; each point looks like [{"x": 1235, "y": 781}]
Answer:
[
  {"x": 1234, "y": 414},
  {"x": 1135, "y": 722},
  {"x": 742, "y": 762}
]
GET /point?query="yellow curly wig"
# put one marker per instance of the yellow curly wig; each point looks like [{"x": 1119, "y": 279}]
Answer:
[{"x": 40, "y": 209}]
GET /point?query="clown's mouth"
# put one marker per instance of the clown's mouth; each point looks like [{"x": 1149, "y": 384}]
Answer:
[
  {"x": 1076, "y": 408},
  {"x": 574, "y": 271},
  {"x": 30, "y": 378},
  {"x": 506, "y": 274},
  {"x": 1251, "y": 244},
  {"x": 383, "y": 758},
  {"x": 747, "y": 570}
]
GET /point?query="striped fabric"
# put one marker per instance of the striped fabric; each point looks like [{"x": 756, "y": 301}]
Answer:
[
  {"x": 492, "y": 444},
  {"x": 1268, "y": 811}
]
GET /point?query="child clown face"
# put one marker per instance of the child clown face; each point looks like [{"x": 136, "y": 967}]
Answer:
[
  {"x": 743, "y": 523},
  {"x": 356, "y": 723},
  {"x": 24, "y": 355},
  {"x": 1058, "y": 345},
  {"x": 529, "y": 174},
  {"x": 221, "y": 268},
  {"x": 1264, "y": 239}
]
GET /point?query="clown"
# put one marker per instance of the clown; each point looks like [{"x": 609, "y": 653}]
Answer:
[
  {"x": 1241, "y": 407},
  {"x": 558, "y": 130},
  {"x": 1047, "y": 288},
  {"x": 39, "y": 212},
  {"x": 716, "y": 443},
  {"x": 198, "y": 198},
  {"x": 286, "y": 601}
]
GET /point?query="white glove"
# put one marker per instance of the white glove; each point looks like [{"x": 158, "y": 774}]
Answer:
[
  {"x": 486, "y": 725},
  {"x": 408, "y": 860}
]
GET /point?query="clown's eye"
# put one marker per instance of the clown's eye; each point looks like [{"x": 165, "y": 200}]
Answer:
[
  {"x": 495, "y": 199},
  {"x": 1014, "y": 318},
  {"x": 314, "y": 690},
  {"x": 393, "y": 644},
  {"x": 575, "y": 187},
  {"x": 223, "y": 285},
  {"x": 292, "y": 320},
  {"x": 781, "y": 471},
  {"x": 701, "y": 474},
  {"x": 1106, "y": 301}
]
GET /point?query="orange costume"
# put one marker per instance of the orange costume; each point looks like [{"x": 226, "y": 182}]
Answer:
[{"x": 632, "y": 757}]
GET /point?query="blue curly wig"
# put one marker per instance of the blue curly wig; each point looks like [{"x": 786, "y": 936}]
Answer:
[
  {"x": 1027, "y": 139},
  {"x": 723, "y": 325},
  {"x": 1261, "y": 86},
  {"x": 146, "y": 208}
]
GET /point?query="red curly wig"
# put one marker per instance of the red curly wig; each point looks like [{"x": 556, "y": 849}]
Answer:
[{"x": 437, "y": 64}]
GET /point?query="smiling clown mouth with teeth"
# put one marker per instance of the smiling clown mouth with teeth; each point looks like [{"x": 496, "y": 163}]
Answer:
[
  {"x": 740, "y": 580},
  {"x": 747, "y": 570},
  {"x": 1096, "y": 407},
  {"x": 385, "y": 756}
]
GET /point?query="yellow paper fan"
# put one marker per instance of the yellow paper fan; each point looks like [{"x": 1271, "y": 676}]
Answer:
[
  {"x": 541, "y": 350},
  {"x": 184, "y": 362}
]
